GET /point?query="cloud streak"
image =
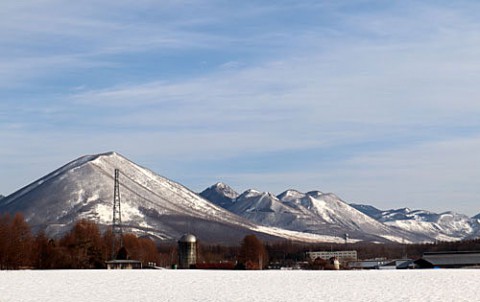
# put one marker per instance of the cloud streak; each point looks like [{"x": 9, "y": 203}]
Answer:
[{"x": 362, "y": 99}]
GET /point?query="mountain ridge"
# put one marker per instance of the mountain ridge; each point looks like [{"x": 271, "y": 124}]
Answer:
[
  {"x": 157, "y": 206},
  {"x": 413, "y": 225},
  {"x": 151, "y": 204},
  {"x": 312, "y": 212},
  {"x": 446, "y": 226}
]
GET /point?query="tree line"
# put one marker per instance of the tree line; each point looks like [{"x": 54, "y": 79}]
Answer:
[{"x": 84, "y": 247}]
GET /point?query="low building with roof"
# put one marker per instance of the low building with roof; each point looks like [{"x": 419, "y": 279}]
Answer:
[
  {"x": 455, "y": 259},
  {"x": 124, "y": 264},
  {"x": 398, "y": 264},
  {"x": 342, "y": 256},
  {"x": 367, "y": 264}
]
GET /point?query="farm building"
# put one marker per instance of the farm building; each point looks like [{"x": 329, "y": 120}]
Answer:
[
  {"x": 398, "y": 264},
  {"x": 381, "y": 263},
  {"x": 342, "y": 256},
  {"x": 367, "y": 264},
  {"x": 456, "y": 259}
]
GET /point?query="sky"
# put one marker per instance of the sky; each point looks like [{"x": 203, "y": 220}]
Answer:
[{"x": 375, "y": 101}]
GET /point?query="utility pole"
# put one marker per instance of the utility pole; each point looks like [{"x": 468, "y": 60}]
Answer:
[{"x": 117, "y": 217}]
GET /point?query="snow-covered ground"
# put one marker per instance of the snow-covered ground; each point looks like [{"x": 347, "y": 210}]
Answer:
[{"x": 197, "y": 285}]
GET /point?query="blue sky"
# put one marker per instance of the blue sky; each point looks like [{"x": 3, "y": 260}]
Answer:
[{"x": 376, "y": 101}]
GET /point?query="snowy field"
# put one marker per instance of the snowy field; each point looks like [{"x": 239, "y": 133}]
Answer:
[{"x": 170, "y": 285}]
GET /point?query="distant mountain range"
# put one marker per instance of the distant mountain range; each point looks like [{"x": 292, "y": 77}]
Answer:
[
  {"x": 155, "y": 206},
  {"x": 313, "y": 212},
  {"x": 316, "y": 212},
  {"x": 447, "y": 226}
]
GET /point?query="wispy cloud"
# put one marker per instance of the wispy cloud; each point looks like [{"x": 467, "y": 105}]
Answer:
[{"x": 332, "y": 94}]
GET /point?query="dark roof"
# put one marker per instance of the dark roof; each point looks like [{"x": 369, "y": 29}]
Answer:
[
  {"x": 122, "y": 261},
  {"x": 452, "y": 259},
  {"x": 452, "y": 253}
]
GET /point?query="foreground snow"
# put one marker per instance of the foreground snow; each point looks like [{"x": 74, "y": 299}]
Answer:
[{"x": 170, "y": 285}]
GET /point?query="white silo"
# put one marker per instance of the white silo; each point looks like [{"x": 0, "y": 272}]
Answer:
[{"x": 187, "y": 251}]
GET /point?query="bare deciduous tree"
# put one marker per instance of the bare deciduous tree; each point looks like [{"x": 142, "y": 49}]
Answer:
[{"x": 253, "y": 254}]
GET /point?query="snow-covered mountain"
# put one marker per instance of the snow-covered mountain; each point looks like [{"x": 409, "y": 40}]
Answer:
[
  {"x": 156, "y": 206},
  {"x": 313, "y": 212},
  {"x": 150, "y": 204},
  {"x": 220, "y": 194},
  {"x": 446, "y": 226},
  {"x": 266, "y": 209}
]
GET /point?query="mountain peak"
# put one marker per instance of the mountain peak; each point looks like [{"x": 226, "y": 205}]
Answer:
[
  {"x": 316, "y": 194},
  {"x": 404, "y": 210},
  {"x": 225, "y": 190},
  {"x": 290, "y": 195},
  {"x": 105, "y": 155},
  {"x": 220, "y": 194},
  {"x": 220, "y": 185},
  {"x": 250, "y": 193},
  {"x": 85, "y": 159}
]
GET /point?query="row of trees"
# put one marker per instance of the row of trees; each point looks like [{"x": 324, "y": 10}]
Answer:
[
  {"x": 84, "y": 247},
  {"x": 16, "y": 242},
  {"x": 253, "y": 254}
]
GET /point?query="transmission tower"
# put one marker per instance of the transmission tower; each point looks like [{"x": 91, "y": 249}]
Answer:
[
  {"x": 117, "y": 218},
  {"x": 345, "y": 237}
]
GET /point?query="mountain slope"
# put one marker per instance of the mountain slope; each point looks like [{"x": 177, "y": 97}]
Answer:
[
  {"x": 368, "y": 210},
  {"x": 151, "y": 204},
  {"x": 326, "y": 209},
  {"x": 266, "y": 209}
]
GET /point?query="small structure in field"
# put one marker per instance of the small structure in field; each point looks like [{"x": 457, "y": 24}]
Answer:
[
  {"x": 124, "y": 264},
  {"x": 333, "y": 264},
  {"x": 368, "y": 263},
  {"x": 398, "y": 264},
  {"x": 322, "y": 264}
]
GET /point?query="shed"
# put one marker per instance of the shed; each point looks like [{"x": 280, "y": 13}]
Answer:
[
  {"x": 398, "y": 264},
  {"x": 124, "y": 264},
  {"x": 367, "y": 264}
]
